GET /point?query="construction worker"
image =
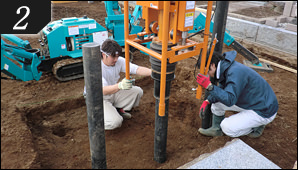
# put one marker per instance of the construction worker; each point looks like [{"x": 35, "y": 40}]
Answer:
[
  {"x": 240, "y": 89},
  {"x": 118, "y": 97}
]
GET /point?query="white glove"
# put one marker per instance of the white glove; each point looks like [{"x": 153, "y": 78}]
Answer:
[{"x": 125, "y": 84}]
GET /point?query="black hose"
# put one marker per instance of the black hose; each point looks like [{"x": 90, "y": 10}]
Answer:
[{"x": 195, "y": 33}]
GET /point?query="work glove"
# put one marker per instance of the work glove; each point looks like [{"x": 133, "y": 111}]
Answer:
[
  {"x": 203, "y": 108},
  {"x": 125, "y": 84},
  {"x": 204, "y": 81}
]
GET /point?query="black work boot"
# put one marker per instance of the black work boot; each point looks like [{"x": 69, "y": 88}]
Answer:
[
  {"x": 124, "y": 114},
  {"x": 257, "y": 131},
  {"x": 215, "y": 129}
]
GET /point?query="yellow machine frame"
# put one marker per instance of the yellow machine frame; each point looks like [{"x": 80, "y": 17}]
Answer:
[{"x": 171, "y": 17}]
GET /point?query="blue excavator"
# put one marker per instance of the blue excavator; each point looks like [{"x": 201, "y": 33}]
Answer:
[
  {"x": 61, "y": 45},
  {"x": 61, "y": 50},
  {"x": 115, "y": 21}
]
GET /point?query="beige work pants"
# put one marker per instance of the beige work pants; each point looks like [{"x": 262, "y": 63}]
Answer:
[{"x": 126, "y": 99}]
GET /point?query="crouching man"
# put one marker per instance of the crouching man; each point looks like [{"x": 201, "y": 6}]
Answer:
[
  {"x": 118, "y": 97},
  {"x": 240, "y": 89}
]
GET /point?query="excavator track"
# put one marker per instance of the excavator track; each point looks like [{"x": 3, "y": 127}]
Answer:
[{"x": 68, "y": 69}]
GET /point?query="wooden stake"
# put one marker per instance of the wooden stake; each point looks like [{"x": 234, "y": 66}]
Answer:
[{"x": 278, "y": 65}]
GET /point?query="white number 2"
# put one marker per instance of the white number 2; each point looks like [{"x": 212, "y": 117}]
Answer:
[{"x": 16, "y": 26}]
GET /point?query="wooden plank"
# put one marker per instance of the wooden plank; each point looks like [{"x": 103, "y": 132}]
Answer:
[{"x": 278, "y": 65}]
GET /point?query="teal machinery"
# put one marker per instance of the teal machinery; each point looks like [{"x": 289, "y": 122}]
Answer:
[
  {"x": 115, "y": 21},
  {"x": 60, "y": 50}
]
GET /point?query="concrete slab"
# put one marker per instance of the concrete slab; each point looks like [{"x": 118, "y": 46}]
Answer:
[
  {"x": 272, "y": 23},
  {"x": 234, "y": 155},
  {"x": 291, "y": 27},
  {"x": 294, "y": 11},
  {"x": 288, "y": 8},
  {"x": 278, "y": 38},
  {"x": 242, "y": 28},
  {"x": 281, "y": 19}
]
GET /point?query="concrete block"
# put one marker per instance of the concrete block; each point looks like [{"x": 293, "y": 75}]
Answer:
[
  {"x": 234, "y": 155},
  {"x": 268, "y": 4},
  {"x": 277, "y": 38},
  {"x": 272, "y": 23},
  {"x": 279, "y": 9},
  {"x": 291, "y": 27},
  {"x": 292, "y": 20},
  {"x": 294, "y": 11},
  {"x": 277, "y": 3},
  {"x": 261, "y": 21},
  {"x": 288, "y": 8},
  {"x": 241, "y": 28},
  {"x": 281, "y": 19}
]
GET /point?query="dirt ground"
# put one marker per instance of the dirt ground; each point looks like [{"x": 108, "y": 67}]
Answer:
[
  {"x": 44, "y": 123},
  {"x": 263, "y": 12}
]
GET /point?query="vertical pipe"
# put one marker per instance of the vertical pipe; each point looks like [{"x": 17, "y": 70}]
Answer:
[
  {"x": 126, "y": 32},
  {"x": 160, "y": 136},
  {"x": 219, "y": 26},
  {"x": 94, "y": 103},
  {"x": 161, "y": 122},
  {"x": 162, "y": 89},
  {"x": 165, "y": 32},
  {"x": 204, "y": 53},
  {"x": 160, "y": 24}
]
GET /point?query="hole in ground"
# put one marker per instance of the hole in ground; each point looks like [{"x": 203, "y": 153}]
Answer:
[
  {"x": 47, "y": 122},
  {"x": 59, "y": 131}
]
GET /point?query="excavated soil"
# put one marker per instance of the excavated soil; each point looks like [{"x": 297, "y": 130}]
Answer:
[
  {"x": 258, "y": 12},
  {"x": 44, "y": 123}
]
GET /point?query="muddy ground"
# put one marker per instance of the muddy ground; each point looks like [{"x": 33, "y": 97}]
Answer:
[{"x": 44, "y": 123}]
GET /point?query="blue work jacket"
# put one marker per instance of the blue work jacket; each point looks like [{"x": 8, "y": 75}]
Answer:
[{"x": 242, "y": 86}]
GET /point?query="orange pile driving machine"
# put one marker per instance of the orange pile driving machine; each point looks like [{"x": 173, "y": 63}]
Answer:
[
  {"x": 166, "y": 26},
  {"x": 170, "y": 21}
]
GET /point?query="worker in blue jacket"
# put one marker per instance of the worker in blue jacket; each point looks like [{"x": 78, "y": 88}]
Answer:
[{"x": 240, "y": 89}]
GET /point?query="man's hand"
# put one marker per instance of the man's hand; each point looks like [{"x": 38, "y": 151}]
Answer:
[
  {"x": 125, "y": 84},
  {"x": 203, "y": 108},
  {"x": 204, "y": 81}
]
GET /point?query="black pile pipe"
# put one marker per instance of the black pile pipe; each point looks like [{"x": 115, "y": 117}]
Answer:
[
  {"x": 161, "y": 122},
  {"x": 219, "y": 26},
  {"x": 160, "y": 135},
  {"x": 94, "y": 103}
]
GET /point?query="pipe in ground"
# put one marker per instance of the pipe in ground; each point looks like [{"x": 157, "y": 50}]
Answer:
[
  {"x": 219, "y": 26},
  {"x": 94, "y": 103},
  {"x": 161, "y": 122}
]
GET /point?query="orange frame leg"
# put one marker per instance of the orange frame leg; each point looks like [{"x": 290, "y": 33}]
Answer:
[
  {"x": 204, "y": 53},
  {"x": 126, "y": 31}
]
